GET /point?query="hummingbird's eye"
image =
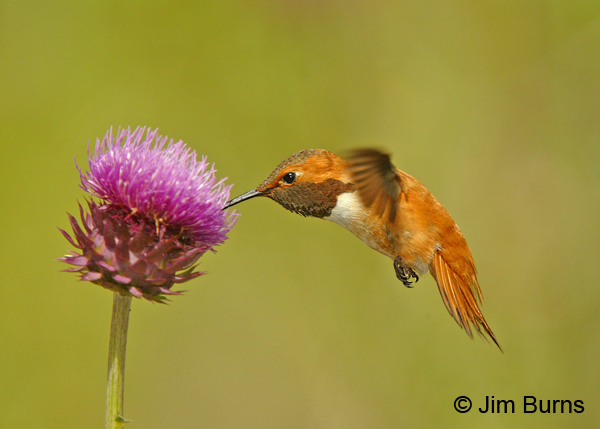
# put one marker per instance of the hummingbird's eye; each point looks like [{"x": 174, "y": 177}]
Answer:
[{"x": 289, "y": 178}]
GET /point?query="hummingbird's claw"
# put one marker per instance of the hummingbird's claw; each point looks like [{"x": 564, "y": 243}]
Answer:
[{"x": 404, "y": 273}]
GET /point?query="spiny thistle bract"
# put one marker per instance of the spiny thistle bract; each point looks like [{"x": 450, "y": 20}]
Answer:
[{"x": 159, "y": 210}]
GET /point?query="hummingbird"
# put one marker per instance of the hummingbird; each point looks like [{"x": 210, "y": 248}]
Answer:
[{"x": 391, "y": 212}]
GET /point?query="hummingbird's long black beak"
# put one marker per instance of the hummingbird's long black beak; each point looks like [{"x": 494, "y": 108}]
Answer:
[{"x": 250, "y": 194}]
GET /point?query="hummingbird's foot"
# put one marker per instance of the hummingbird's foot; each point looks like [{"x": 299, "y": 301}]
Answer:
[{"x": 404, "y": 273}]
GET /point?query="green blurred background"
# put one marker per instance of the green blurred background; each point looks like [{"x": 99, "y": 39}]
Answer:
[{"x": 494, "y": 106}]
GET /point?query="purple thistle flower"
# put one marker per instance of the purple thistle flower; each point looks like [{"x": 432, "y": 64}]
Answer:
[{"x": 160, "y": 210}]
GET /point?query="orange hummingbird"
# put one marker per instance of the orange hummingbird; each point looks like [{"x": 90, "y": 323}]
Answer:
[{"x": 391, "y": 211}]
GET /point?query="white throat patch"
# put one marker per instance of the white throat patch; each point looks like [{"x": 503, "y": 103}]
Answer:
[{"x": 347, "y": 211}]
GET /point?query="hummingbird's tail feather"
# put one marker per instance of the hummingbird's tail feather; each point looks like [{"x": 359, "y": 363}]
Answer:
[{"x": 460, "y": 297}]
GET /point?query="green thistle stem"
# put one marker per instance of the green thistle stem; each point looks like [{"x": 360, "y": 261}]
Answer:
[{"x": 116, "y": 361}]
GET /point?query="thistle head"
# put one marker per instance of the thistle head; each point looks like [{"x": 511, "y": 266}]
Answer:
[{"x": 158, "y": 210}]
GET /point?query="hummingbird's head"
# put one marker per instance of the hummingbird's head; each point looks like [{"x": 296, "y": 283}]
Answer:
[{"x": 308, "y": 183}]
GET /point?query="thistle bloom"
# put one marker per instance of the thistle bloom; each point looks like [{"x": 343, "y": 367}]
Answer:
[{"x": 159, "y": 210}]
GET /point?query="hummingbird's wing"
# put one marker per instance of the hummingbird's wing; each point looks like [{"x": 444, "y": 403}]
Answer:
[{"x": 377, "y": 180}]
